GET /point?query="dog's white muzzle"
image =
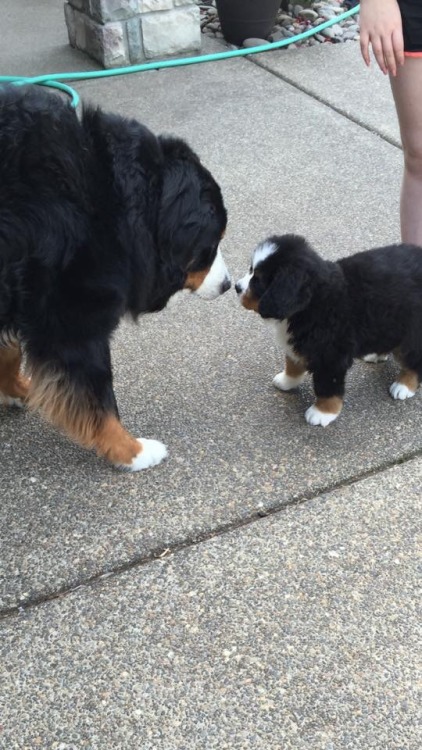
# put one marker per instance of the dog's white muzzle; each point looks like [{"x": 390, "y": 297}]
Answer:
[
  {"x": 243, "y": 283},
  {"x": 217, "y": 281}
]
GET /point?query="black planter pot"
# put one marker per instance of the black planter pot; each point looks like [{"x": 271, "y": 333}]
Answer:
[{"x": 241, "y": 19}]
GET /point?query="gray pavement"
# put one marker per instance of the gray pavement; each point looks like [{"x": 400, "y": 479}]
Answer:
[
  {"x": 294, "y": 632},
  {"x": 358, "y": 93},
  {"x": 297, "y": 632}
]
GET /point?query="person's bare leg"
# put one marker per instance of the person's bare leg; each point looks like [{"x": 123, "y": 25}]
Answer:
[{"x": 407, "y": 92}]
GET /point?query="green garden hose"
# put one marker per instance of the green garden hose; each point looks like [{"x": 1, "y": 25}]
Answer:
[{"x": 55, "y": 80}]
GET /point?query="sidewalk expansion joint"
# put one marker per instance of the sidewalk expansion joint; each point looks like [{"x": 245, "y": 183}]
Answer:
[
  {"x": 322, "y": 100},
  {"x": 161, "y": 552}
]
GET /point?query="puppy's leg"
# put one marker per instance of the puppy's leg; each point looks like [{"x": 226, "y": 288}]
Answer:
[
  {"x": 293, "y": 374},
  {"x": 405, "y": 386},
  {"x": 329, "y": 391},
  {"x": 74, "y": 392},
  {"x": 410, "y": 375},
  {"x": 13, "y": 385}
]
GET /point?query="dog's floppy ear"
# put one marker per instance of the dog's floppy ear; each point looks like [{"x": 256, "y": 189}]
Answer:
[{"x": 289, "y": 293}]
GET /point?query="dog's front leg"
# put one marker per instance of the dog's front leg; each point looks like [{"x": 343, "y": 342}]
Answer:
[
  {"x": 73, "y": 389},
  {"x": 329, "y": 392},
  {"x": 13, "y": 385},
  {"x": 292, "y": 376}
]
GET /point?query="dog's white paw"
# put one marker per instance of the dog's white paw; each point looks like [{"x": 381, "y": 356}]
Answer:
[
  {"x": 314, "y": 416},
  {"x": 285, "y": 382},
  {"x": 10, "y": 401},
  {"x": 400, "y": 391},
  {"x": 374, "y": 358},
  {"x": 152, "y": 453}
]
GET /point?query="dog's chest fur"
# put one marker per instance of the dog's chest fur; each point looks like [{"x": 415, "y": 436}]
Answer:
[{"x": 284, "y": 339}]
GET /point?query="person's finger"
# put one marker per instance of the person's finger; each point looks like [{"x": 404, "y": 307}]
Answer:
[
  {"x": 379, "y": 53},
  {"x": 398, "y": 46},
  {"x": 364, "y": 48},
  {"x": 389, "y": 56}
]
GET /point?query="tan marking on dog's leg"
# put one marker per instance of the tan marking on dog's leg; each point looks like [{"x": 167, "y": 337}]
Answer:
[
  {"x": 69, "y": 410},
  {"x": 410, "y": 379},
  {"x": 331, "y": 405},
  {"x": 292, "y": 375},
  {"x": 294, "y": 368},
  {"x": 407, "y": 382},
  {"x": 12, "y": 383},
  {"x": 116, "y": 444},
  {"x": 59, "y": 403},
  {"x": 407, "y": 377}
]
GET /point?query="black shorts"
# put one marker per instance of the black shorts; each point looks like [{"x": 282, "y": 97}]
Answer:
[{"x": 411, "y": 11}]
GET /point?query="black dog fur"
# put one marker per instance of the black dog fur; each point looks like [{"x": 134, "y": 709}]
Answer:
[
  {"x": 368, "y": 303},
  {"x": 98, "y": 218}
]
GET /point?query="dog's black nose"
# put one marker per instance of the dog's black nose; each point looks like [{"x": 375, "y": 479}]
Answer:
[
  {"x": 225, "y": 286},
  {"x": 238, "y": 287}
]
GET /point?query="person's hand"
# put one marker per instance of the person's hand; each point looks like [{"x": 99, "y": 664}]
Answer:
[{"x": 381, "y": 27}]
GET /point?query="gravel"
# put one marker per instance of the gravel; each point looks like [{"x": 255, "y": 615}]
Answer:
[{"x": 293, "y": 19}]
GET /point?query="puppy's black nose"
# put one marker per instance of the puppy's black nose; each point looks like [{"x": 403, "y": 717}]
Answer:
[
  {"x": 238, "y": 287},
  {"x": 226, "y": 285}
]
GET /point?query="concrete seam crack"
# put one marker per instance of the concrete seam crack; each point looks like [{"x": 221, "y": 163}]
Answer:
[
  {"x": 202, "y": 537},
  {"x": 325, "y": 102}
]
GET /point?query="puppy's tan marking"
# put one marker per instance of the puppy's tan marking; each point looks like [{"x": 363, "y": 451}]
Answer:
[
  {"x": 71, "y": 411},
  {"x": 410, "y": 379},
  {"x": 194, "y": 279},
  {"x": 249, "y": 301},
  {"x": 294, "y": 368},
  {"x": 12, "y": 383},
  {"x": 331, "y": 405},
  {"x": 407, "y": 377}
]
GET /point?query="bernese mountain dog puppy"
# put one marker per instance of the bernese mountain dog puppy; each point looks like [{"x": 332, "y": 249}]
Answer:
[
  {"x": 329, "y": 313},
  {"x": 98, "y": 218}
]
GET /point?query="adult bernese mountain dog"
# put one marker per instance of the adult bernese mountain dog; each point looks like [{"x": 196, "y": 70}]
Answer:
[
  {"x": 98, "y": 218},
  {"x": 329, "y": 313}
]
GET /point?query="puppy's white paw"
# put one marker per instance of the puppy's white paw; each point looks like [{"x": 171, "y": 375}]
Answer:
[
  {"x": 285, "y": 382},
  {"x": 314, "y": 416},
  {"x": 152, "y": 453},
  {"x": 400, "y": 391},
  {"x": 374, "y": 358}
]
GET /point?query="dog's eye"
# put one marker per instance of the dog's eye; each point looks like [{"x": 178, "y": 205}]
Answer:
[{"x": 257, "y": 285}]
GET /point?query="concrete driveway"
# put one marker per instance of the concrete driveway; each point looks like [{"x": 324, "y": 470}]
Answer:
[{"x": 163, "y": 610}]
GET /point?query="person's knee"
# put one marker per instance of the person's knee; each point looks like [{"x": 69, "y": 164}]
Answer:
[{"x": 413, "y": 159}]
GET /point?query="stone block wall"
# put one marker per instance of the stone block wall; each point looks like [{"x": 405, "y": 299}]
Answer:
[{"x": 126, "y": 32}]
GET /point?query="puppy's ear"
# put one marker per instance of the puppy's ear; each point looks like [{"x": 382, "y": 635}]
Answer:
[{"x": 289, "y": 293}]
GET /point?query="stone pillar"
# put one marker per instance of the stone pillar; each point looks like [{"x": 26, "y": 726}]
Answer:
[{"x": 126, "y": 32}]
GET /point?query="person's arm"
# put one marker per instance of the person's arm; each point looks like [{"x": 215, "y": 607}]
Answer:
[{"x": 381, "y": 27}]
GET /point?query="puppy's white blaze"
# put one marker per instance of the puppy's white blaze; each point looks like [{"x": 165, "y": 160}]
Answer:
[
  {"x": 400, "y": 392},
  {"x": 262, "y": 252},
  {"x": 153, "y": 452},
  {"x": 211, "y": 286},
  {"x": 285, "y": 382},
  {"x": 243, "y": 283},
  {"x": 316, "y": 417}
]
